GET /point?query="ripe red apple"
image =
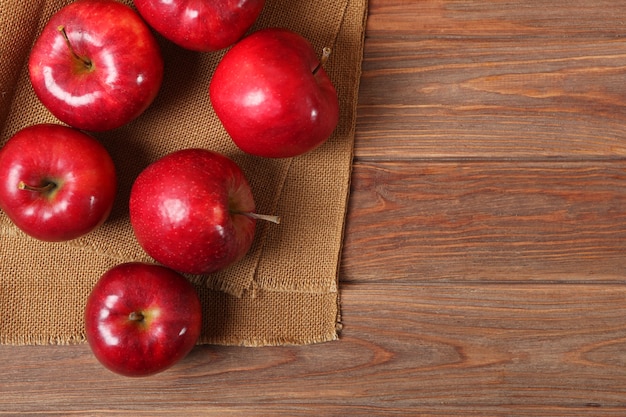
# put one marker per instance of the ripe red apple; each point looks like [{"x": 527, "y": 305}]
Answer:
[
  {"x": 201, "y": 25},
  {"x": 193, "y": 211},
  {"x": 96, "y": 66},
  {"x": 58, "y": 183},
  {"x": 273, "y": 96},
  {"x": 141, "y": 319}
]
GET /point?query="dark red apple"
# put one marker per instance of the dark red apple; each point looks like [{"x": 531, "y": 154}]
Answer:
[
  {"x": 58, "y": 183},
  {"x": 201, "y": 25},
  {"x": 140, "y": 319},
  {"x": 96, "y": 66},
  {"x": 273, "y": 96},
  {"x": 193, "y": 211}
]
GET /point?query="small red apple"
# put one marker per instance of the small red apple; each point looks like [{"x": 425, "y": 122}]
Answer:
[
  {"x": 193, "y": 211},
  {"x": 201, "y": 25},
  {"x": 58, "y": 183},
  {"x": 96, "y": 66},
  {"x": 273, "y": 96},
  {"x": 140, "y": 319}
]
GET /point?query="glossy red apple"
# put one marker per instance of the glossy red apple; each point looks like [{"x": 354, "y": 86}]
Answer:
[
  {"x": 96, "y": 66},
  {"x": 140, "y": 319},
  {"x": 193, "y": 211},
  {"x": 58, "y": 183},
  {"x": 201, "y": 25},
  {"x": 273, "y": 96}
]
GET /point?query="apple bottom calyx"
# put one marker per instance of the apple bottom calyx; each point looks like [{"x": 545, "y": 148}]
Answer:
[
  {"x": 136, "y": 316},
  {"x": 142, "y": 318}
]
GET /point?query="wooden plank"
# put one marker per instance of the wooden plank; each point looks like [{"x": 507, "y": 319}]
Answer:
[
  {"x": 480, "y": 19},
  {"x": 486, "y": 221},
  {"x": 461, "y": 349},
  {"x": 503, "y": 98},
  {"x": 448, "y": 79},
  {"x": 498, "y": 345}
]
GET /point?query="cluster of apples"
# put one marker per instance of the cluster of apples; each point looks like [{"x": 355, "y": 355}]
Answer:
[{"x": 97, "y": 66}]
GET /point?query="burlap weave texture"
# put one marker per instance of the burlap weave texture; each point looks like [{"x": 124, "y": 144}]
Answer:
[{"x": 285, "y": 291}]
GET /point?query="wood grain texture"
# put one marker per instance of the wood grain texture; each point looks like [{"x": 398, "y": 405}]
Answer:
[
  {"x": 499, "y": 18},
  {"x": 487, "y": 221},
  {"x": 484, "y": 261},
  {"x": 494, "y": 349},
  {"x": 497, "y": 79}
]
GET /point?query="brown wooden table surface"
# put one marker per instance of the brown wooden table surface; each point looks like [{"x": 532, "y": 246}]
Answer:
[{"x": 485, "y": 250}]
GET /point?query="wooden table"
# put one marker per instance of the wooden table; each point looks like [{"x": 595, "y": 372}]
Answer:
[{"x": 485, "y": 248}]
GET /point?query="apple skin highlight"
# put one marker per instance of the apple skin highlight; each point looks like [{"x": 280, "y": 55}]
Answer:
[
  {"x": 189, "y": 211},
  {"x": 96, "y": 65},
  {"x": 58, "y": 183},
  {"x": 203, "y": 26},
  {"x": 141, "y": 319},
  {"x": 272, "y": 96}
]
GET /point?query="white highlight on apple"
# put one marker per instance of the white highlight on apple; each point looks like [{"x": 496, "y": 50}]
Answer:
[
  {"x": 63, "y": 95},
  {"x": 254, "y": 98},
  {"x": 62, "y": 207},
  {"x": 174, "y": 210},
  {"x": 108, "y": 61},
  {"x": 106, "y": 333},
  {"x": 110, "y": 301},
  {"x": 191, "y": 13}
]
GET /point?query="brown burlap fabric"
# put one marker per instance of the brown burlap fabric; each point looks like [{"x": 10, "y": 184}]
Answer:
[{"x": 285, "y": 291}]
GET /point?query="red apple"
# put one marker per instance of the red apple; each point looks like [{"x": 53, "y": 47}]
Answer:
[
  {"x": 193, "y": 211},
  {"x": 273, "y": 96},
  {"x": 141, "y": 319},
  {"x": 201, "y": 25},
  {"x": 58, "y": 183},
  {"x": 96, "y": 66}
]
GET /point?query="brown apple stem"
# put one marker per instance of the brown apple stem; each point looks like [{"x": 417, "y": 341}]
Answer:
[
  {"x": 135, "y": 316},
  {"x": 86, "y": 61},
  {"x": 48, "y": 186},
  {"x": 265, "y": 217},
  {"x": 325, "y": 55}
]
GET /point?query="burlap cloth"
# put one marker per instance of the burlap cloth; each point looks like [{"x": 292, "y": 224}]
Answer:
[{"x": 285, "y": 291}]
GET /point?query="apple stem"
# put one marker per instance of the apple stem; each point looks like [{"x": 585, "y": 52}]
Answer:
[
  {"x": 265, "y": 217},
  {"x": 48, "y": 186},
  {"x": 135, "y": 316},
  {"x": 325, "y": 55},
  {"x": 86, "y": 61}
]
